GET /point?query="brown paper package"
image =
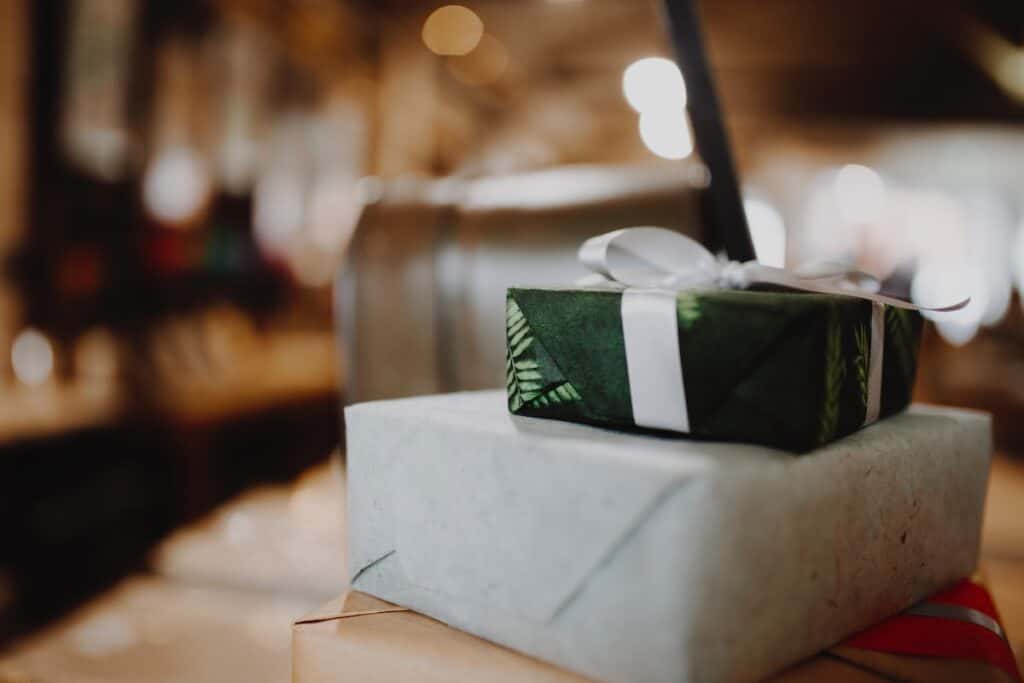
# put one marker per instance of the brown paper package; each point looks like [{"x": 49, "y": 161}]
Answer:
[{"x": 360, "y": 638}]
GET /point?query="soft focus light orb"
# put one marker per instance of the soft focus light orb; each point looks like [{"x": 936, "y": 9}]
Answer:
[
  {"x": 990, "y": 231},
  {"x": 238, "y": 528},
  {"x": 313, "y": 267},
  {"x": 104, "y": 635},
  {"x": 279, "y": 209},
  {"x": 175, "y": 186},
  {"x": 1009, "y": 71},
  {"x": 452, "y": 30},
  {"x": 999, "y": 293},
  {"x": 666, "y": 134},
  {"x": 334, "y": 210},
  {"x": 95, "y": 355},
  {"x": 860, "y": 193},
  {"x": 482, "y": 66},
  {"x": 940, "y": 283},
  {"x": 654, "y": 84},
  {"x": 32, "y": 357},
  {"x": 768, "y": 232}
]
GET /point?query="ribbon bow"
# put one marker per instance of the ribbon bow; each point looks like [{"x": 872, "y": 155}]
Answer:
[
  {"x": 656, "y": 258},
  {"x": 651, "y": 265}
]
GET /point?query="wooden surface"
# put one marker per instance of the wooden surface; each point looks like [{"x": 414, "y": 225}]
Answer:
[
  {"x": 13, "y": 136},
  {"x": 1002, "y": 562}
]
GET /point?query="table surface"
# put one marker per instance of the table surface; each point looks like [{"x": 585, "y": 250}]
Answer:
[{"x": 1002, "y": 547}]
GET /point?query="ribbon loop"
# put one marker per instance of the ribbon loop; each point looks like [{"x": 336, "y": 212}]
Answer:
[
  {"x": 656, "y": 258},
  {"x": 649, "y": 258}
]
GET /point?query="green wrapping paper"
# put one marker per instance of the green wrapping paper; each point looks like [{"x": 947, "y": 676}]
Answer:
[{"x": 780, "y": 368}]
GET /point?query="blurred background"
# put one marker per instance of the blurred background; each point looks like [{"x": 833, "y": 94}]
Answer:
[{"x": 220, "y": 219}]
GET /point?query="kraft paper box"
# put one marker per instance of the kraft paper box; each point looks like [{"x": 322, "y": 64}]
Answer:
[
  {"x": 785, "y": 369},
  {"x": 360, "y": 638},
  {"x": 639, "y": 559}
]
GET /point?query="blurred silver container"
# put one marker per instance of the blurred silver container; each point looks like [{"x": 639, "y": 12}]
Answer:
[{"x": 419, "y": 302}]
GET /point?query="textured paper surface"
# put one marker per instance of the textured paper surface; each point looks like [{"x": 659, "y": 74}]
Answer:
[{"x": 646, "y": 559}]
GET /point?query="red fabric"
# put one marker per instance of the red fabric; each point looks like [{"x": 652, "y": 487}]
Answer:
[{"x": 946, "y": 638}]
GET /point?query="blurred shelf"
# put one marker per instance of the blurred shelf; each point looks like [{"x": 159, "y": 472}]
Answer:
[
  {"x": 283, "y": 367},
  {"x": 30, "y": 413}
]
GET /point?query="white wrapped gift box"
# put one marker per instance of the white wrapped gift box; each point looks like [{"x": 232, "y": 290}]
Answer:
[{"x": 640, "y": 559}]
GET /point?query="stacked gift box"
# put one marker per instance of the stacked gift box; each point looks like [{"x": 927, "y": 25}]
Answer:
[
  {"x": 625, "y": 556},
  {"x": 715, "y": 507}
]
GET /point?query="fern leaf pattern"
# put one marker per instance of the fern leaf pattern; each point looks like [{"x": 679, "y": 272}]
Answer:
[
  {"x": 563, "y": 393},
  {"x": 901, "y": 340},
  {"x": 689, "y": 309},
  {"x": 835, "y": 374},
  {"x": 862, "y": 361},
  {"x": 524, "y": 379}
]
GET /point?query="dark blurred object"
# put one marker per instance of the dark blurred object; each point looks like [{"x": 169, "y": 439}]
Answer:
[
  {"x": 1006, "y": 16},
  {"x": 80, "y": 509},
  {"x": 420, "y": 305},
  {"x": 725, "y": 217},
  {"x": 222, "y": 457}
]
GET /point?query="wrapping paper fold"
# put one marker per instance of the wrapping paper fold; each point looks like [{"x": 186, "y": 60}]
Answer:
[{"x": 785, "y": 369}]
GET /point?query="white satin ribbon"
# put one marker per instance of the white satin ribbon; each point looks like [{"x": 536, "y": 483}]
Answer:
[
  {"x": 652, "y": 265},
  {"x": 652, "y": 359},
  {"x": 876, "y": 350}
]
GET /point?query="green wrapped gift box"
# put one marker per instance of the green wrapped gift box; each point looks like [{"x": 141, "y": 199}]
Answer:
[{"x": 781, "y": 368}]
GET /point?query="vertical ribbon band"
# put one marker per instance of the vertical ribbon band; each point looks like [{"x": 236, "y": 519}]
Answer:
[
  {"x": 874, "y": 405},
  {"x": 650, "y": 330}
]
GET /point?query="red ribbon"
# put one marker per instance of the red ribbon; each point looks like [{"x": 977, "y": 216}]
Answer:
[{"x": 928, "y": 636}]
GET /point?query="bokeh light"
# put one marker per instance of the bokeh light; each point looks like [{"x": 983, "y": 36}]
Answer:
[
  {"x": 654, "y": 84},
  {"x": 32, "y": 357},
  {"x": 452, "y": 30},
  {"x": 95, "y": 355},
  {"x": 176, "y": 186},
  {"x": 104, "y": 635},
  {"x": 940, "y": 283},
  {"x": 334, "y": 208},
  {"x": 666, "y": 133},
  {"x": 482, "y": 66},
  {"x": 768, "y": 232},
  {"x": 860, "y": 193},
  {"x": 279, "y": 209}
]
